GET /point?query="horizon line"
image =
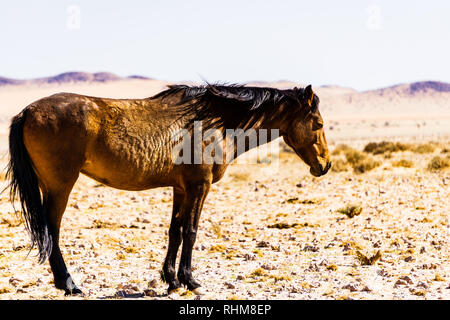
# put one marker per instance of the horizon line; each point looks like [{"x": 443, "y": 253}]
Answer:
[{"x": 145, "y": 77}]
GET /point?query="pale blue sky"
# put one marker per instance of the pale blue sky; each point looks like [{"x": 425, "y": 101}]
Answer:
[{"x": 318, "y": 42}]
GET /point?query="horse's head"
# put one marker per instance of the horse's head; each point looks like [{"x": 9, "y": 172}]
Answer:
[{"x": 305, "y": 133}]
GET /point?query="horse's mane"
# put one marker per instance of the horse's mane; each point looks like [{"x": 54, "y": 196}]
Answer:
[{"x": 230, "y": 106}]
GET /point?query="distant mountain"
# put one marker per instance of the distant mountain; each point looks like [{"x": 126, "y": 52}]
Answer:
[
  {"x": 424, "y": 97},
  {"x": 416, "y": 87},
  {"x": 69, "y": 77},
  {"x": 8, "y": 81}
]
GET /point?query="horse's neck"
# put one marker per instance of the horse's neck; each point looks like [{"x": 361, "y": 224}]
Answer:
[{"x": 263, "y": 133}]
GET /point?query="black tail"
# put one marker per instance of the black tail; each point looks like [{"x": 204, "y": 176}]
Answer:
[{"x": 24, "y": 183}]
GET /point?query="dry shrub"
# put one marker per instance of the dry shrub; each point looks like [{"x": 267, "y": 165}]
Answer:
[
  {"x": 354, "y": 156},
  {"x": 304, "y": 201},
  {"x": 283, "y": 225},
  {"x": 280, "y": 277},
  {"x": 217, "y": 248},
  {"x": 423, "y": 148},
  {"x": 368, "y": 261},
  {"x": 217, "y": 230},
  {"x": 99, "y": 224},
  {"x": 131, "y": 250},
  {"x": 438, "y": 163},
  {"x": 339, "y": 165},
  {"x": 5, "y": 290},
  {"x": 351, "y": 211},
  {"x": 360, "y": 161},
  {"x": 259, "y": 272},
  {"x": 365, "y": 165},
  {"x": 341, "y": 148},
  {"x": 385, "y": 146},
  {"x": 403, "y": 163},
  {"x": 332, "y": 267}
]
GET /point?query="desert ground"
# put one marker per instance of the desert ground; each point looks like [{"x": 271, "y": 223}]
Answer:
[{"x": 375, "y": 227}]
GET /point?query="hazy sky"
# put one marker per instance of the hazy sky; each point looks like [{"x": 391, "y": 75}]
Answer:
[{"x": 362, "y": 44}]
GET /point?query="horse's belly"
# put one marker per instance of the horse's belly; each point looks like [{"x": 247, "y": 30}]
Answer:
[{"x": 120, "y": 172}]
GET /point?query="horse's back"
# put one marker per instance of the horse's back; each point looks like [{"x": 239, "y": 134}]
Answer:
[{"x": 124, "y": 143}]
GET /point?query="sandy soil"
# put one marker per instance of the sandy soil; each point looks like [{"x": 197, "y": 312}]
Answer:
[{"x": 114, "y": 242}]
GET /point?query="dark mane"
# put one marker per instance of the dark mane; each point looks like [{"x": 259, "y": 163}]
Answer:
[{"x": 230, "y": 106}]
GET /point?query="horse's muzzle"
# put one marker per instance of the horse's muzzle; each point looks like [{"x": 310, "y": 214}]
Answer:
[{"x": 321, "y": 170}]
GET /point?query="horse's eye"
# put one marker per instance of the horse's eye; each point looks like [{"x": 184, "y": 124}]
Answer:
[{"x": 317, "y": 125}]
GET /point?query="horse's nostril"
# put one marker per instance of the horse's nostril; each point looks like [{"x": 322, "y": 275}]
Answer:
[{"x": 320, "y": 168}]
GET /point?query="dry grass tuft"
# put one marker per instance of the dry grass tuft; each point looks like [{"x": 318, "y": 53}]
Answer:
[
  {"x": 217, "y": 248},
  {"x": 217, "y": 230},
  {"x": 438, "y": 277},
  {"x": 332, "y": 267},
  {"x": 120, "y": 256},
  {"x": 403, "y": 163},
  {"x": 5, "y": 290},
  {"x": 390, "y": 147},
  {"x": 283, "y": 225},
  {"x": 354, "y": 156},
  {"x": 360, "y": 161},
  {"x": 366, "y": 261},
  {"x": 365, "y": 165},
  {"x": 417, "y": 292},
  {"x": 258, "y": 273},
  {"x": 423, "y": 148},
  {"x": 99, "y": 224},
  {"x": 339, "y": 165},
  {"x": 438, "y": 163},
  {"x": 385, "y": 146},
  {"x": 131, "y": 250},
  {"x": 341, "y": 148},
  {"x": 351, "y": 211},
  {"x": 305, "y": 201},
  {"x": 280, "y": 277}
]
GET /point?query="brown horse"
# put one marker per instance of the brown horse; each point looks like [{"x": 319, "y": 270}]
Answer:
[{"x": 128, "y": 144}]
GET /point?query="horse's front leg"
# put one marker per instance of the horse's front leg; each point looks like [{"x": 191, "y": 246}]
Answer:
[
  {"x": 175, "y": 237},
  {"x": 195, "y": 197}
]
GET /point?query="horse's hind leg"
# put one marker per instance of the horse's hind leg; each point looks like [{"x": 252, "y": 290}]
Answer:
[{"x": 55, "y": 202}]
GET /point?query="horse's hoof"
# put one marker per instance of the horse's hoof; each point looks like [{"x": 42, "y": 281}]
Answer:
[
  {"x": 73, "y": 292},
  {"x": 175, "y": 291},
  {"x": 198, "y": 291}
]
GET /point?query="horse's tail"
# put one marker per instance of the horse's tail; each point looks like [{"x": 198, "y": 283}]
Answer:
[{"x": 24, "y": 184}]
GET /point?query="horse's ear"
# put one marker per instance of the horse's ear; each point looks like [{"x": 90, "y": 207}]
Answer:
[{"x": 308, "y": 94}]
